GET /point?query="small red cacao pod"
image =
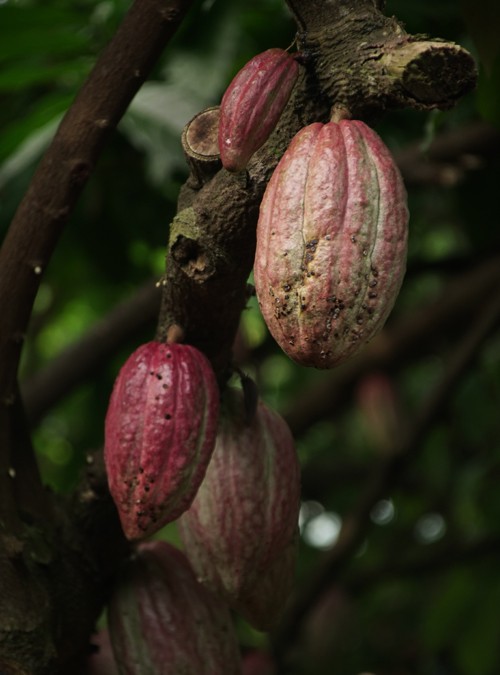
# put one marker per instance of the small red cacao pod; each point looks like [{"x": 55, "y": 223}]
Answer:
[
  {"x": 331, "y": 242},
  {"x": 245, "y": 513},
  {"x": 252, "y": 105},
  {"x": 159, "y": 434},
  {"x": 162, "y": 620}
]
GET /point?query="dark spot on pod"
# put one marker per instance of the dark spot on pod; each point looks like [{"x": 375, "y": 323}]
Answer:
[
  {"x": 159, "y": 376},
  {"x": 168, "y": 416},
  {"x": 141, "y": 470}
]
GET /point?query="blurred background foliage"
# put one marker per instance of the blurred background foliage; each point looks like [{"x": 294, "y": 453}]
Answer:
[{"x": 408, "y": 601}]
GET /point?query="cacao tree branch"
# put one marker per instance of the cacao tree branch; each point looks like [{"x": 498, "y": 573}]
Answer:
[
  {"x": 450, "y": 156},
  {"x": 53, "y": 579},
  {"x": 368, "y": 63},
  {"x": 357, "y": 523},
  {"x": 446, "y": 557}
]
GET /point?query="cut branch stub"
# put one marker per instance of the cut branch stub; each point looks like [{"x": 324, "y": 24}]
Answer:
[
  {"x": 434, "y": 74},
  {"x": 367, "y": 61},
  {"x": 200, "y": 145}
]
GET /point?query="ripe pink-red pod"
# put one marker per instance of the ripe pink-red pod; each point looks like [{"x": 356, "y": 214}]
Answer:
[
  {"x": 159, "y": 434},
  {"x": 252, "y": 105},
  {"x": 244, "y": 516},
  {"x": 164, "y": 622},
  {"x": 331, "y": 242}
]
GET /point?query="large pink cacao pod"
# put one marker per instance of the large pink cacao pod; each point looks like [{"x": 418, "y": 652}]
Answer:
[
  {"x": 244, "y": 516},
  {"x": 252, "y": 105},
  {"x": 159, "y": 434},
  {"x": 162, "y": 621},
  {"x": 331, "y": 242}
]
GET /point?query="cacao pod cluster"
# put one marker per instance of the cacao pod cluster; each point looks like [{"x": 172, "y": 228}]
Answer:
[
  {"x": 332, "y": 231},
  {"x": 330, "y": 259},
  {"x": 234, "y": 477}
]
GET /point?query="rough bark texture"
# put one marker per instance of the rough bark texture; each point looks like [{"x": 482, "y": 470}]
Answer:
[{"x": 56, "y": 560}]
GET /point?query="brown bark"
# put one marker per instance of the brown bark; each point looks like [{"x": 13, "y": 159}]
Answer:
[{"x": 52, "y": 576}]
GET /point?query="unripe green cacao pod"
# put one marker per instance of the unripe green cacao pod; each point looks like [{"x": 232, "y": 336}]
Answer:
[
  {"x": 162, "y": 621},
  {"x": 331, "y": 242},
  {"x": 252, "y": 105},
  {"x": 159, "y": 434},
  {"x": 245, "y": 513}
]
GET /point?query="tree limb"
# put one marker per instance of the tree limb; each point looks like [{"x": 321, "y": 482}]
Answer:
[{"x": 47, "y": 565}]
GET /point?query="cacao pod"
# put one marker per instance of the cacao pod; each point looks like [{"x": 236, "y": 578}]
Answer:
[
  {"x": 331, "y": 242},
  {"x": 162, "y": 621},
  {"x": 258, "y": 663},
  {"x": 263, "y": 604},
  {"x": 101, "y": 661},
  {"x": 252, "y": 105},
  {"x": 245, "y": 513},
  {"x": 159, "y": 434}
]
